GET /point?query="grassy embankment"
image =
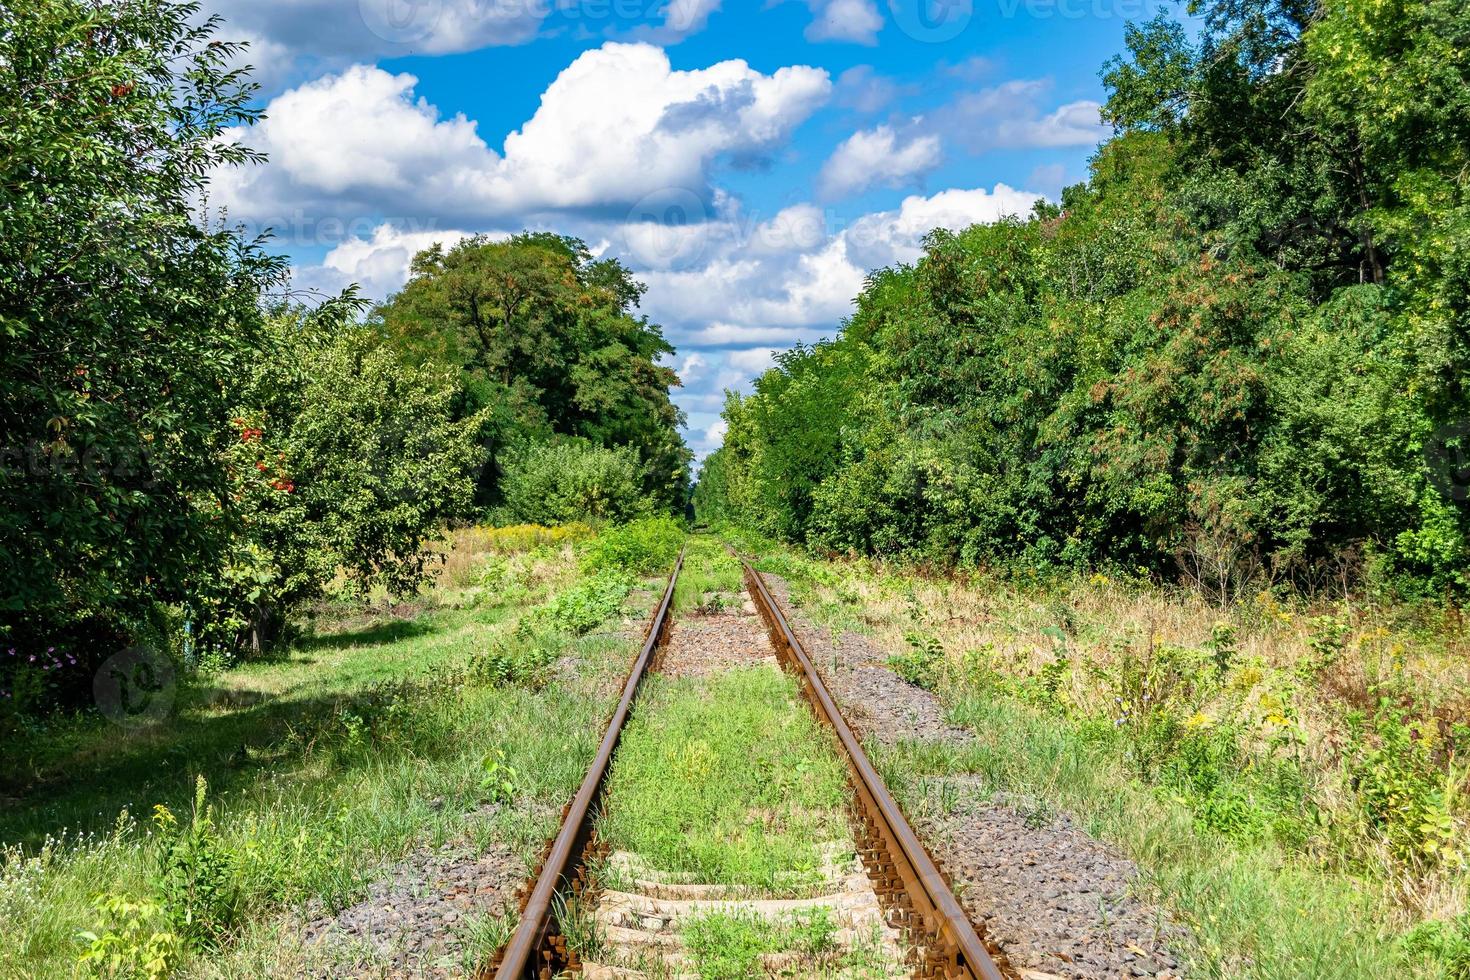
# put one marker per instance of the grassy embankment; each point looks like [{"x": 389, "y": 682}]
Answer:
[
  {"x": 1283, "y": 771},
  {"x": 378, "y": 732}
]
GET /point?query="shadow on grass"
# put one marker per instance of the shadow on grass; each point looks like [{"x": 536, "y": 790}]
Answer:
[
  {"x": 393, "y": 631},
  {"x": 79, "y": 780}
]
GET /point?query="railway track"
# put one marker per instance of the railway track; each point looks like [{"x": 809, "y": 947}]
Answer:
[{"x": 915, "y": 898}]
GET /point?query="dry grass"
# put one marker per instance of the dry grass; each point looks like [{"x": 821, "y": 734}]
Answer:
[{"x": 1272, "y": 696}]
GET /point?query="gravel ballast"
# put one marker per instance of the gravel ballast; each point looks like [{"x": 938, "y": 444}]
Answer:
[{"x": 1055, "y": 900}]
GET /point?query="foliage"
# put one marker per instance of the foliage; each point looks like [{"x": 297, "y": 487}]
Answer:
[
  {"x": 1407, "y": 788},
  {"x": 1447, "y": 944},
  {"x": 641, "y": 547},
  {"x": 921, "y": 662},
  {"x": 1233, "y": 355},
  {"x": 499, "y": 781},
  {"x": 345, "y": 461},
  {"x": 573, "y": 480},
  {"x": 126, "y": 323},
  {"x": 516, "y": 538},
  {"x": 548, "y": 341},
  {"x": 583, "y": 607},
  {"x": 130, "y": 943},
  {"x": 197, "y": 875}
]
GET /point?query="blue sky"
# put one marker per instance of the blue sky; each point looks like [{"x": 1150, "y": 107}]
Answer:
[{"x": 750, "y": 162}]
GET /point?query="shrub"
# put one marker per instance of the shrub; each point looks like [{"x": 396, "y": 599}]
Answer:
[
  {"x": 1404, "y": 789},
  {"x": 574, "y": 480},
  {"x": 343, "y": 461},
  {"x": 519, "y": 661},
  {"x": 130, "y": 943},
  {"x": 583, "y": 607},
  {"x": 920, "y": 665},
  {"x": 118, "y": 371},
  {"x": 641, "y": 547},
  {"x": 514, "y": 538},
  {"x": 196, "y": 875},
  {"x": 1445, "y": 943}
]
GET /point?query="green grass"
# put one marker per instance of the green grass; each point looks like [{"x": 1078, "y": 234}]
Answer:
[
  {"x": 1256, "y": 908},
  {"x": 710, "y": 575},
  {"x": 729, "y": 945},
  {"x": 730, "y": 779},
  {"x": 1254, "y": 912},
  {"x": 322, "y": 767}
]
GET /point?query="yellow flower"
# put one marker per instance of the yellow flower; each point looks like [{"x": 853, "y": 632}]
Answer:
[{"x": 1198, "y": 720}]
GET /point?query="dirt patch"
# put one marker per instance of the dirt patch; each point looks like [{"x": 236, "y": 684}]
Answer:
[
  {"x": 1058, "y": 902},
  {"x": 413, "y": 920},
  {"x": 708, "y": 644}
]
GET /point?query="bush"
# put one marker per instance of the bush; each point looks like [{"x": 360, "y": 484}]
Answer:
[
  {"x": 127, "y": 325},
  {"x": 343, "y": 461},
  {"x": 197, "y": 875},
  {"x": 582, "y": 608},
  {"x": 574, "y": 480},
  {"x": 641, "y": 547}
]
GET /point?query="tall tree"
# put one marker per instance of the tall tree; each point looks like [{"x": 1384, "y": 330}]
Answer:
[
  {"x": 549, "y": 337},
  {"x": 125, "y": 323}
]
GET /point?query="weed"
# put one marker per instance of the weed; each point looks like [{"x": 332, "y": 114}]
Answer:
[
  {"x": 921, "y": 664},
  {"x": 579, "y": 926},
  {"x": 197, "y": 874},
  {"x": 641, "y": 547},
  {"x": 519, "y": 659},
  {"x": 731, "y": 779},
  {"x": 729, "y": 945},
  {"x": 481, "y": 936},
  {"x": 499, "y": 780},
  {"x": 1446, "y": 944},
  {"x": 1406, "y": 790},
  {"x": 131, "y": 942},
  {"x": 581, "y": 608}
]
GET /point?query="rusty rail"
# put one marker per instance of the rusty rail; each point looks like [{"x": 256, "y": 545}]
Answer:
[
  {"x": 909, "y": 885},
  {"x": 536, "y": 949},
  {"x": 905, "y": 877}
]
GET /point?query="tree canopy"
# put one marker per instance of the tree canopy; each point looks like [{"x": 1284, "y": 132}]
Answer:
[
  {"x": 1237, "y": 351},
  {"x": 547, "y": 338}
]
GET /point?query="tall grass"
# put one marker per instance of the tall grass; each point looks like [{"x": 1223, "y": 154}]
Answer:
[
  {"x": 321, "y": 767},
  {"x": 1284, "y": 772}
]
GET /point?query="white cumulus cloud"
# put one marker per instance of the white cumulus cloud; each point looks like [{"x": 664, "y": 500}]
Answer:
[
  {"x": 876, "y": 156},
  {"x": 619, "y": 125},
  {"x": 857, "y": 21}
]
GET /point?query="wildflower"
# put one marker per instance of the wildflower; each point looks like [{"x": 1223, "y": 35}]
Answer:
[{"x": 1198, "y": 720}]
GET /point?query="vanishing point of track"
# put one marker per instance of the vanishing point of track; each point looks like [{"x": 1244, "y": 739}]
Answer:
[{"x": 913, "y": 892}]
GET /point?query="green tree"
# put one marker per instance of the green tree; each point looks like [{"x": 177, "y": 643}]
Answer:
[
  {"x": 344, "y": 461},
  {"x": 126, "y": 325},
  {"x": 574, "y": 480},
  {"x": 548, "y": 337}
]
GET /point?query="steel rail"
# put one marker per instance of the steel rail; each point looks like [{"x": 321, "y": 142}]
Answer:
[
  {"x": 906, "y": 878},
  {"x": 532, "y": 951}
]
